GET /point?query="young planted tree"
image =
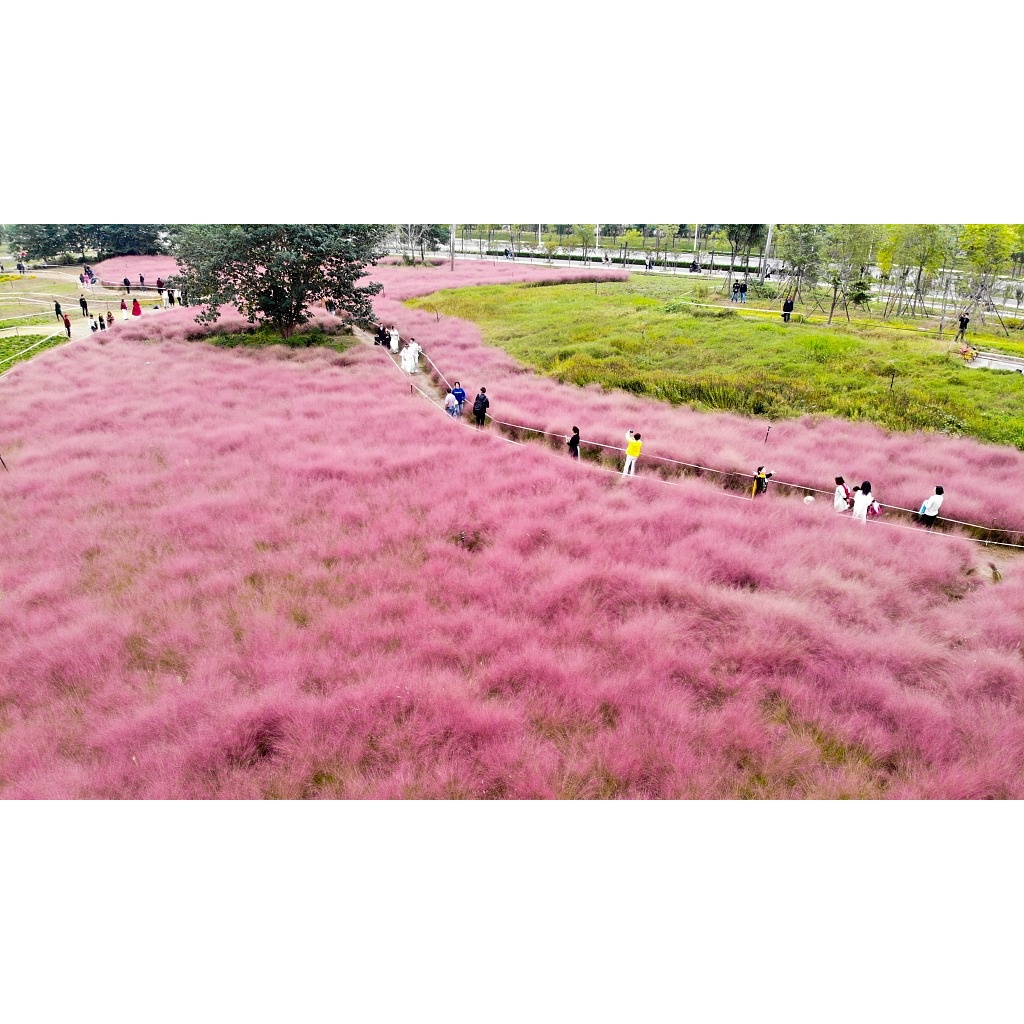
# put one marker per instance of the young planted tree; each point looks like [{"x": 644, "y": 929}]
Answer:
[
  {"x": 910, "y": 254},
  {"x": 632, "y": 239},
  {"x": 551, "y": 246},
  {"x": 846, "y": 250},
  {"x": 273, "y": 272},
  {"x": 422, "y": 238},
  {"x": 802, "y": 247},
  {"x": 987, "y": 249},
  {"x": 1017, "y": 256},
  {"x": 741, "y": 238},
  {"x": 583, "y": 235}
]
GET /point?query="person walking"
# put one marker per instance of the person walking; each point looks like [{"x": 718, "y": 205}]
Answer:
[
  {"x": 633, "y": 448},
  {"x": 124, "y": 310},
  {"x": 67, "y": 324},
  {"x": 761, "y": 479},
  {"x": 787, "y": 308},
  {"x": 110, "y": 319},
  {"x": 929, "y": 510},
  {"x": 843, "y": 500},
  {"x": 743, "y": 291},
  {"x": 460, "y": 397},
  {"x": 480, "y": 406},
  {"x": 862, "y": 498},
  {"x": 56, "y": 309},
  {"x": 127, "y": 285},
  {"x": 961, "y": 335},
  {"x": 136, "y": 308},
  {"x": 84, "y": 305},
  {"x": 574, "y": 443},
  {"x": 394, "y": 338},
  {"x": 142, "y": 281}
]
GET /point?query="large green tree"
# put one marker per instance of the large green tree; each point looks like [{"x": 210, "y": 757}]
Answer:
[{"x": 273, "y": 272}]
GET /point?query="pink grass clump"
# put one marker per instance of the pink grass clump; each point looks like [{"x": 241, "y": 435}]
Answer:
[{"x": 236, "y": 574}]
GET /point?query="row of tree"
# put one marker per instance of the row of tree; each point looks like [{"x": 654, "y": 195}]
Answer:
[
  {"x": 62, "y": 242},
  {"x": 965, "y": 264}
]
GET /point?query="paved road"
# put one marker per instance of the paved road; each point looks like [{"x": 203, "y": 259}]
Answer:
[{"x": 997, "y": 361}]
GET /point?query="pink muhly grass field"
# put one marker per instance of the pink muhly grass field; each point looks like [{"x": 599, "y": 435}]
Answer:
[
  {"x": 903, "y": 468},
  {"x": 238, "y": 574},
  {"x": 117, "y": 268}
]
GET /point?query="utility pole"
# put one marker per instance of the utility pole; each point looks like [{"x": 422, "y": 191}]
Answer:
[
  {"x": 453, "y": 247},
  {"x": 767, "y": 250},
  {"x": 597, "y": 240}
]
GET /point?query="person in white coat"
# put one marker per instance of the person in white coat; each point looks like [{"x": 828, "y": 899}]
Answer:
[
  {"x": 929, "y": 510},
  {"x": 414, "y": 349},
  {"x": 862, "y": 498},
  {"x": 843, "y": 500}
]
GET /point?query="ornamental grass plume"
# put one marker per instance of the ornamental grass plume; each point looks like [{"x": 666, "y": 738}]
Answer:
[{"x": 227, "y": 574}]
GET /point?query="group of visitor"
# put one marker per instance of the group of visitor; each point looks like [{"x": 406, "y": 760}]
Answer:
[
  {"x": 862, "y": 502},
  {"x": 102, "y": 323}
]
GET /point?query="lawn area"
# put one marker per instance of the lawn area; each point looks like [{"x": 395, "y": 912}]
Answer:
[
  {"x": 26, "y": 320},
  {"x": 646, "y": 336},
  {"x": 16, "y": 346}
]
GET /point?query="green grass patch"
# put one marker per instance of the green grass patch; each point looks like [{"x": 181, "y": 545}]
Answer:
[
  {"x": 28, "y": 321},
  {"x": 645, "y": 336},
  {"x": 261, "y": 337},
  {"x": 15, "y": 347}
]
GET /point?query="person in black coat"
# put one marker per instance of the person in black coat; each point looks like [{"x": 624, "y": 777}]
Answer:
[
  {"x": 787, "y": 308},
  {"x": 480, "y": 406},
  {"x": 128, "y": 285},
  {"x": 574, "y": 443},
  {"x": 84, "y": 305}
]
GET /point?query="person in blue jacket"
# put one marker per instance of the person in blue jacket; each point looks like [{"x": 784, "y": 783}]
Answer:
[{"x": 460, "y": 397}]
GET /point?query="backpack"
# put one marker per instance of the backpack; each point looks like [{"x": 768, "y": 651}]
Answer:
[{"x": 480, "y": 404}]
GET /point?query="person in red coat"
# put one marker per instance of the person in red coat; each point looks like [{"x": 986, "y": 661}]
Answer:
[
  {"x": 124, "y": 310},
  {"x": 136, "y": 308},
  {"x": 67, "y": 324}
]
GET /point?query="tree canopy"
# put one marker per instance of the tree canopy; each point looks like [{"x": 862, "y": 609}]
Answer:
[
  {"x": 54, "y": 241},
  {"x": 273, "y": 272}
]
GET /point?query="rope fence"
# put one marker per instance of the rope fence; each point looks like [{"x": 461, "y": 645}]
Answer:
[{"x": 733, "y": 475}]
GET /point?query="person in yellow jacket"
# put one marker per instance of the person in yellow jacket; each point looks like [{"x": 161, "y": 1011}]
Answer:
[
  {"x": 760, "y": 482},
  {"x": 632, "y": 453}
]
